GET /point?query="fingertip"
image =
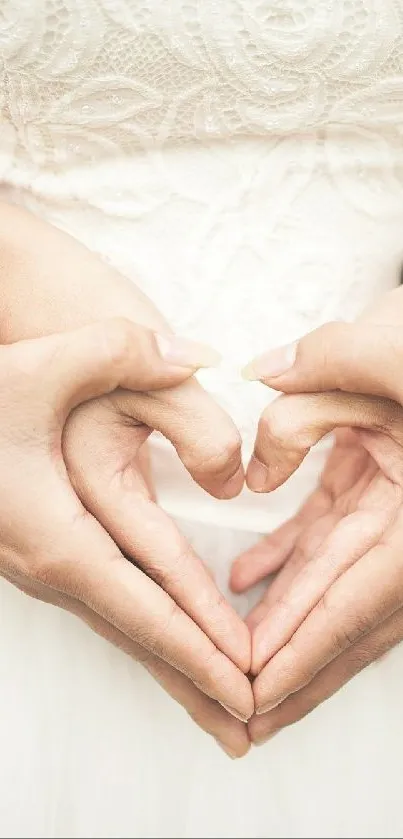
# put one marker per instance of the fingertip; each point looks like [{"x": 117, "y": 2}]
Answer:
[
  {"x": 235, "y": 641},
  {"x": 257, "y": 475},
  {"x": 239, "y": 703},
  {"x": 236, "y": 585},
  {"x": 263, "y": 728},
  {"x": 245, "y": 653},
  {"x": 238, "y": 579},
  {"x": 264, "y": 698},
  {"x": 234, "y": 485},
  {"x": 239, "y": 744}
]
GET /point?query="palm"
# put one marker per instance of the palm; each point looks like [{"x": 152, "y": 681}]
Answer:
[
  {"x": 105, "y": 453},
  {"x": 355, "y": 504}
]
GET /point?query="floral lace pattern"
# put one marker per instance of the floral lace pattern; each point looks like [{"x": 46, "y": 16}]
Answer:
[
  {"x": 83, "y": 78},
  {"x": 240, "y": 159}
]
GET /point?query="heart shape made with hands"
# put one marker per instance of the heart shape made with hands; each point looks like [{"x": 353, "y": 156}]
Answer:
[{"x": 336, "y": 603}]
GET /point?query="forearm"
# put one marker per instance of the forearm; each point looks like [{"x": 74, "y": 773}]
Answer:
[{"x": 50, "y": 282}]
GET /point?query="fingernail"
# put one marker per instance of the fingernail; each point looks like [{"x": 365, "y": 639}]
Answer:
[
  {"x": 235, "y": 713},
  {"x": 182, "y": 352},
  {"x": 266, "y": 738},
  {"x": 257, "y": 475},
  {"x": 264, "y": 709},
  {"x": 234, "y": 484},
  {"x": 227, "y": 750},
  {"x": 271, "y": 364}
]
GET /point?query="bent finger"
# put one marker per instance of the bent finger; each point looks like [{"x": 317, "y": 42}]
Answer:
[
  {"x": 119, "y": 501},
  {"x": 291, "y": 425}
]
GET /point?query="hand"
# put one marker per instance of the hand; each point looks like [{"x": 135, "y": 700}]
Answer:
[
  {"x": 50, "y": 282},
  {"x": 342, "y": 577}
]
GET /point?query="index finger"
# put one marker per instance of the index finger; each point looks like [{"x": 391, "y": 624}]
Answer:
[
  {"x": 118, "y": 499},
  {"x": 368, "y": 593},
  {"x": 91, "y": 568},
  {"x": 203, "y": 435},
  {"x": 293, "y": 424},
  {"x": 143, "y": 530},
  {"x": 343, "y": 545}
]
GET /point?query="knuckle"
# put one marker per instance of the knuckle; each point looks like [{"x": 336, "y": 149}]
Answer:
[
  {"x": 156, "y": 640},
  {"x": 171, "y": 575},
  {"x": 346, "y": 626},
  {"x": 173, "y": 567},
  {"x": 283, "y": 422},
  {"x": 222, "y": 456},
  {"x": 274, "y": 422}
]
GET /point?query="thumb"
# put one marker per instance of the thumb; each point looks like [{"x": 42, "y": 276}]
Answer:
[
  {"x": 73, "y": 367},
  {"x": 358, "y": 358}
]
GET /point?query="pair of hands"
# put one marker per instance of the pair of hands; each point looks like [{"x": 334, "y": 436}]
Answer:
[{"x": 166, "y": 611}]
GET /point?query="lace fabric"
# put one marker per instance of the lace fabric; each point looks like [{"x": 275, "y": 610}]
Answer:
[
  {"x": 241, "y": 160},
  {"x": 82, "y": 79}
]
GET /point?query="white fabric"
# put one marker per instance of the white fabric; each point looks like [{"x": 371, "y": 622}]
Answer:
[
  {"x": 242, "y": 161},
  {"x": 91, "y": 747}
]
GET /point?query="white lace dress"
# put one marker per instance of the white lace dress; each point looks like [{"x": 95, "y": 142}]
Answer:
[{"x": 243, "y": 161}]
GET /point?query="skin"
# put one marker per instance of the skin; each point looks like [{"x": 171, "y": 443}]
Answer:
[
  {"x": 102, "y": 451},
  {"x": 201, "y": 651},
  {"x": 336, "y": 604}
]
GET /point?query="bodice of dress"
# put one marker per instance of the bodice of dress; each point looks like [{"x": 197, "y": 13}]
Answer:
[
  {"x": 85, "y": 79},
  {"x": 240, "y": 159}
]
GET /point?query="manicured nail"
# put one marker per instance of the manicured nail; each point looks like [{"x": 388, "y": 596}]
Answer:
[
  {"x": 271, "y": 364},
  {"x": 235, "y": 713},
  {"x": 227, "y": 750},
  {"x": 257, "y": 475},
  {"x": 181, "y": 352}
]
